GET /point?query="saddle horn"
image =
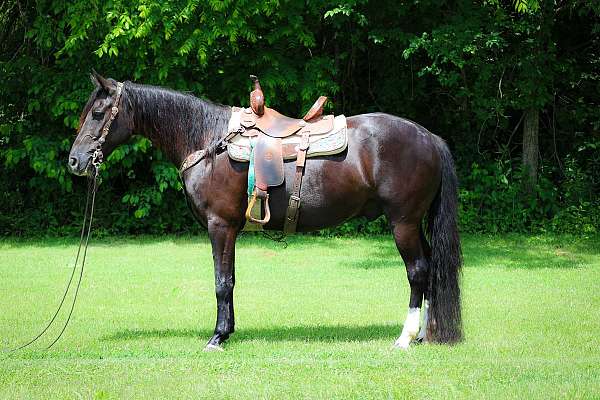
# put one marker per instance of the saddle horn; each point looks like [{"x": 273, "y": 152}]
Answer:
[{"x": 257, "y": 97}]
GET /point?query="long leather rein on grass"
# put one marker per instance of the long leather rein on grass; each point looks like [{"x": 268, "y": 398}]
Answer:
[{"x": 83, "y": 242}]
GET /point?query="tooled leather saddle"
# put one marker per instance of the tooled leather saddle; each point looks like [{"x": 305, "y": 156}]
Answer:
[{"x": 265, "y": 138}]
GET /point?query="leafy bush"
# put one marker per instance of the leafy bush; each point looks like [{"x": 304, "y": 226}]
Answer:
[
  {"x": 465, "y": 70},
  {"x": 492, "y": 199}
]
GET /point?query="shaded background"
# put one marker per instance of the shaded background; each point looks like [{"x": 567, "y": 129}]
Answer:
[{"x": 513, "y": 87}]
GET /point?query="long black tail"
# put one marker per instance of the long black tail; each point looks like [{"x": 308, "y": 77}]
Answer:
[{"x": 446, "y": 256}]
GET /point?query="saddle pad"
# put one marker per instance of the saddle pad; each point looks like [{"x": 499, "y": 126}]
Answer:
[{"x": 321, "y": 144}]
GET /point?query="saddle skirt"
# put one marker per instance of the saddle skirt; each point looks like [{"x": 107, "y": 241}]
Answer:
[{"x": 321, "y": 143}]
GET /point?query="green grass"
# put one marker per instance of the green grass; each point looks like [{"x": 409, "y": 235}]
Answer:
[{"x": 320, "y": 326}]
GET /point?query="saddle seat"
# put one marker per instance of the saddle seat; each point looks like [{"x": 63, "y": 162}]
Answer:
[
  {"x": 277, "y": 125},
  {"x": 270, "y": 123}
]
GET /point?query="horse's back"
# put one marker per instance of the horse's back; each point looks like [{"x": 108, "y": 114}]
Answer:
[{"x": 392, "y": 134}]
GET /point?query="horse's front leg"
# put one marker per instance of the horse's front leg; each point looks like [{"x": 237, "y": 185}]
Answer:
[{"x": 222, "y": 238}]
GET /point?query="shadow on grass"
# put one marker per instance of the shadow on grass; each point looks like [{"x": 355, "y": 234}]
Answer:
[
  {"x": 528, "y": 252},
  {"x": 303, "y": 333},
  {"x": 509, "y": 251},
  {"x": 382, "y": 255}
]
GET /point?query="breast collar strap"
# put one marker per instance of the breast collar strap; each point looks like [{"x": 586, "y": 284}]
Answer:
[{"x": 198, "y": 155}]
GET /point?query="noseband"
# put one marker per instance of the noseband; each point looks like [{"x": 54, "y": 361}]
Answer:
[{"x": 98, "y": 156}]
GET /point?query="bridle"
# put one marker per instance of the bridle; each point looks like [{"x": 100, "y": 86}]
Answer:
[
  {"x": 97, "y": 159},
  {"x": 98, "y": 156}
]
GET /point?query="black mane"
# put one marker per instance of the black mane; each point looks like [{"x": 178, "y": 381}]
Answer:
[{"x": 178, "y": 123}]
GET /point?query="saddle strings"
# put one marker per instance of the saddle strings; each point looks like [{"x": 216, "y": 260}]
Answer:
[{"x": 85, "y": 232}]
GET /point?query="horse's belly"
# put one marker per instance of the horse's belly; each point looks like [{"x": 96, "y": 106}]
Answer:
[{"x": 333, "y": 190}]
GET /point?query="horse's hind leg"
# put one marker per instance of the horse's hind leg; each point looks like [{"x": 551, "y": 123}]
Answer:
[
  {"x": 408, "y": 241},
  {"x": 422, "y": 336}
]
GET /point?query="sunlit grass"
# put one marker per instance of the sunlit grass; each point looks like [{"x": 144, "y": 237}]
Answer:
[{"x": 313, "y": 320}]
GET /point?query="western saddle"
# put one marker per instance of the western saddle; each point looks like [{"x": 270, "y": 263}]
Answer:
[{"x": 265, "y": 138}]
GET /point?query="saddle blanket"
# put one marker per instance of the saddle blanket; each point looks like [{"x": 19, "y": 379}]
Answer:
[{"x": 335, "y": 141}]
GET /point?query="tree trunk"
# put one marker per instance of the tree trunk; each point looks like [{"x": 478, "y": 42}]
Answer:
[{"x": 531, "y": 129}]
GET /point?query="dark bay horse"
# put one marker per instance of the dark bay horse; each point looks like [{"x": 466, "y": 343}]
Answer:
[{"x": 392, "y": 166}]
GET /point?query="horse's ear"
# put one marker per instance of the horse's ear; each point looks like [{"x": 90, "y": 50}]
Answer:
[
  {"x": 102, "y": 82},
  {"x": 94, "y": 78}
]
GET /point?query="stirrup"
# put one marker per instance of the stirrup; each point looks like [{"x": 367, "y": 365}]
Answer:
[{"x": 249, "y": 216}]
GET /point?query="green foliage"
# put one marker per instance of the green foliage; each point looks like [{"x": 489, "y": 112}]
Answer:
[
  {"x": 524, "y": 6},
  {"x": 580, "y": 213},
  {"x": 492, "y": 200},
  {"x": 465, "y": 70}
]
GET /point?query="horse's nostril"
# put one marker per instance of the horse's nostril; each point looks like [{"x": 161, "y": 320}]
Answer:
[{"x": 73, "y": 162}]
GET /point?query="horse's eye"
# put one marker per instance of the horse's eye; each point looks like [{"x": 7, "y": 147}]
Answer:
[{"x": 98, "y": 115}]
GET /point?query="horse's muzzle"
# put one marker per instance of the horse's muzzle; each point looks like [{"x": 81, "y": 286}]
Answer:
[{"x": 80, "y": 167}]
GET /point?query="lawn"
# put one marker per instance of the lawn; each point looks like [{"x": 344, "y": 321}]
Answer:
[{"x": 314, "y": 320}]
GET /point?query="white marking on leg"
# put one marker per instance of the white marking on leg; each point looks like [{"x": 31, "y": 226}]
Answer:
[
  {"x": 410, "y": 329},
  {"x": 423, "y": 332},
  {"x": 212, "y": 347}
]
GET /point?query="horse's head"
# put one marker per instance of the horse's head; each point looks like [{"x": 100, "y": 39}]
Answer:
[{"x": 104, "y": 124}]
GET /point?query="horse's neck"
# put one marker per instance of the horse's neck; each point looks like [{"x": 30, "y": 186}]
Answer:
[{"x": 177, "y": 123}]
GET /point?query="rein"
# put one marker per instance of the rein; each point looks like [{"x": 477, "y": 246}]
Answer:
[
  {"x": 86, "y": 229},
  {"x": 84, "y": 238}
]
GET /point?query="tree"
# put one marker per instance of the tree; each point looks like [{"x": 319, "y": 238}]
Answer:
[{"x": 531, "y": 146}]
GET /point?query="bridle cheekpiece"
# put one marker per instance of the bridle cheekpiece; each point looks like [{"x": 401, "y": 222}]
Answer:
[{"x": 98, "y": 157}]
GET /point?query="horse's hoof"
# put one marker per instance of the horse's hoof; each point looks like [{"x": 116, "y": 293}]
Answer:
[
  {"x": 212, "y": 347},
  {"x": 402, "y": 343},
  {"x": 421, "y": 340}
]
